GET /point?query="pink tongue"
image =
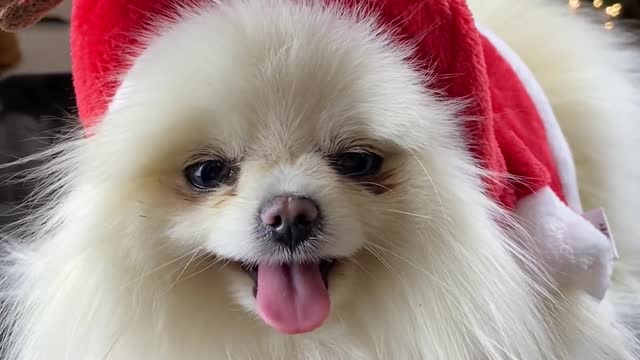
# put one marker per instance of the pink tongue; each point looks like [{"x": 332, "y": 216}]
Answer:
[{"x": 292, "y": 298}]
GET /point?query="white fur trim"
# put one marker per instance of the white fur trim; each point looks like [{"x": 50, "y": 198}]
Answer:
[
  {"x": 576, "y": 253},
  {"x": 559, "y": 147},
  {"x": 119, "y": 100}
]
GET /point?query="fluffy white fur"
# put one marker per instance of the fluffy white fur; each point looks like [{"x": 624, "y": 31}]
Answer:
[{"x": 127, "y": 264}]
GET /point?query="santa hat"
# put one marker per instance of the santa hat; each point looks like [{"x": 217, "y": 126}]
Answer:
[{"x": 513, "y": 132}]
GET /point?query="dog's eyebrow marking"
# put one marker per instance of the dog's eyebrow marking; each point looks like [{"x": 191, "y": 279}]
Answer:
[
  {"x": 340, "y": 144},
  {"x": 208, "y": 154},
  {"x": 343, "y": 143}
]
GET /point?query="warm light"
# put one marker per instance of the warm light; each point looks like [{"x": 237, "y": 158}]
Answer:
[
  {"x": 613, "y": 10},
  {"x": 597, "y": 3},
  {"x": 608, "y": 25},
  {"x": 574, "y": 4}
]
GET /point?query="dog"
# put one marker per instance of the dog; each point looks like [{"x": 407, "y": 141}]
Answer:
[{"x": 276, "y": 180}]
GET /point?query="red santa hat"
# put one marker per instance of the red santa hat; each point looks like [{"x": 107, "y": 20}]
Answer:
[{"x": 513, "y": 134}]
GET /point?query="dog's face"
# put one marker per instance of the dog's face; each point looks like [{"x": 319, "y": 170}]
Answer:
[
  {"x": 289, "y": 207},
  {"x": 290, "y": 156}
]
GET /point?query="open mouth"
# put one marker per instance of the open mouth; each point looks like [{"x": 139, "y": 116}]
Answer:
[
  {"x": 324, "y": 266},
  {"x": 292, "y": 298}
]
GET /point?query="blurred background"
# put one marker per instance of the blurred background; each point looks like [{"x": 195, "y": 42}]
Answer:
[
  {"x": 36, "y": 94},
  {"x": 36, "y": 97}
]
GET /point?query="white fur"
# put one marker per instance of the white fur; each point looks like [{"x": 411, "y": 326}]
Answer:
[{"x": 122, "y": 265}]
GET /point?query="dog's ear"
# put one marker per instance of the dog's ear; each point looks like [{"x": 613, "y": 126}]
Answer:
[{"x": 18, "y": 14}]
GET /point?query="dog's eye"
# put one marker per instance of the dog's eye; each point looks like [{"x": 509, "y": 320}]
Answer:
[
  {"x": 209, "y": 174},
  {"x": 357, "y": 164}
]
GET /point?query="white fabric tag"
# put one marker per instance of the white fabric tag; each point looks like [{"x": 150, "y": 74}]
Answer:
[{"x": 598, "y": 218}]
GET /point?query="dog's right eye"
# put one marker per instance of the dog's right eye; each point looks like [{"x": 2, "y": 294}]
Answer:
[
  {"x": 209, "y": 174},
  {"x": 357, "y": 164}
]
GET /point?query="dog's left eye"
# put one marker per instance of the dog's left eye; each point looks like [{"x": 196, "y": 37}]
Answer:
[
  {"x": 357, "y": 164},
  {"x": 209, "y": 174}
]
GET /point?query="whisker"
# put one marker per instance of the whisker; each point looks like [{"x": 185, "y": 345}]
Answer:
[
  {"x": 374, "y": 184},
  {"x": 144, "y": 275},
  {"x": 379, "y": 236},
  {"x": 381, "y": 259},
  {"x": 184, "y": 268},
  {"x": 226, "y": 262},
  {"x": 212, "y": 264},
  {"x": 362, "y": 268},
  {"x": 407, "y": 213},
  {"x": 400, "y": 257},
  {"x": 112, "y": 346},
  {"x": 433, "y": 185}
]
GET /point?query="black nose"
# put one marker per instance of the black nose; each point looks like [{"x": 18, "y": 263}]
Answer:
[{"x": 290, "y": 220}]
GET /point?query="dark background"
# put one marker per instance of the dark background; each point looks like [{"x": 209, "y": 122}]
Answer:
[{"x": 33, "y": 110}]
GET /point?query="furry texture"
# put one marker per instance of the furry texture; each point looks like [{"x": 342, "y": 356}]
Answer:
[
  {"x": 128, "y": 263},
  {"x": 15, "y": 15}
]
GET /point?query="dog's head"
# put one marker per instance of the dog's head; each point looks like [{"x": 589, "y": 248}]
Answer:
[{"x": 293, "y": 149}]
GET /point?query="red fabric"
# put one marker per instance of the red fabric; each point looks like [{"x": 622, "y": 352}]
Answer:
[
  {"x": 103, "y": 34},
  {"x": 519, "y": 130},
  {"x": 505, "y": 132}
]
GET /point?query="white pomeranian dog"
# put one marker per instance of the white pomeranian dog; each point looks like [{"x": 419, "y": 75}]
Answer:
[{"x": 276, "y": 180}]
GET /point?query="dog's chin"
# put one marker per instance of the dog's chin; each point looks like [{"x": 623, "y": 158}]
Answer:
[{"x": 291, "y": 298}]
